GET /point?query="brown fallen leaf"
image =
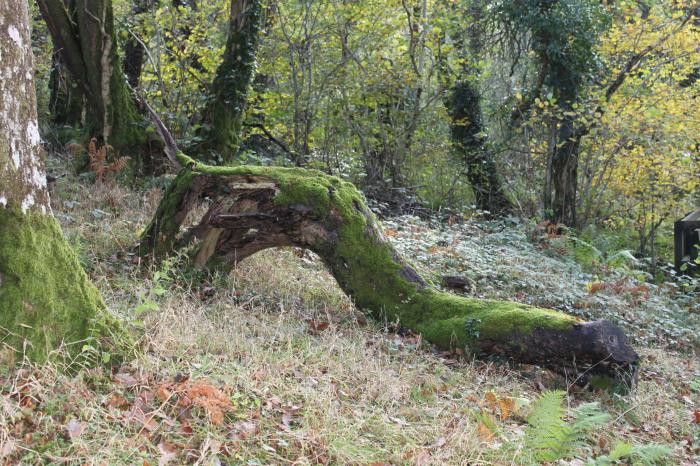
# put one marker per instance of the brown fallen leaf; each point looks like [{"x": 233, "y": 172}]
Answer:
[
  {"x": 168, "y": 452},
  {"x": 125, "y": 379},
  {"x": 422, "y": 458},
  {"x": 117, "y": 401},
  {"x": 506, "y": 406},
  {"x": 696, "y": 416},
  {"x": 75, "y": 428},
  {"x": 484, "y": 432},
  {"x": 491, "y": 399}
]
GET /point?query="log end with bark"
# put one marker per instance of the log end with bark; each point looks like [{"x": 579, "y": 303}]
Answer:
[{"x": 254, "y": 208}]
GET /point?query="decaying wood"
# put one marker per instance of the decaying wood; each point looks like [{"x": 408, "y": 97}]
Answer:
[{"x": 255, "y": 208}]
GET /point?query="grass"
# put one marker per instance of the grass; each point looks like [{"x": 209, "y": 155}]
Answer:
[{"x": 309, "y": 378}]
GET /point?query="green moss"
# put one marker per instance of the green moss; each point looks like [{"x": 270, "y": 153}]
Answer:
[
  {"x": 45, "y": 297},
  {"x": 161, "y": 234},
  {"x": 368, "y": 269}
]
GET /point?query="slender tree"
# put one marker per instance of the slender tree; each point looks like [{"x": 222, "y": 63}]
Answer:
[
  {"x": 45, "y": 297},
  {"x": 563, "y": 36}
]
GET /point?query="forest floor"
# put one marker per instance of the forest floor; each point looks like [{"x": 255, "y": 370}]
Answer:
[{"x": 274, "y": 364}]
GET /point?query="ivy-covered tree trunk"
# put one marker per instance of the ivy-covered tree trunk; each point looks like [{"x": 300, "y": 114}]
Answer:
[
  {"x": 46, "y": 299},
  {"x": 467, "y": 126},
  {"x": 253, "y": 208},
  {"x": 468, "y": 137},
  {"x": 219, "y": 135},
  {"x": 84, "y": 31},
  {"x": 560, "y": 193}
]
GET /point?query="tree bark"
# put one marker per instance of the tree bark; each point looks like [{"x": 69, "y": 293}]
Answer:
[
  {"x": 66, "y": 102},
  {"x": 222, "y": 117},
  {"x": 560, "y": 204},
  {"x": 46, "y": 299},
  {"x": 253, "y": 208},
  {"x": 134, "y": 51},
  {"x": 84, "y": 31},
  {"x": 468, "y": 138},
  {"x": 467, "y": 126}
]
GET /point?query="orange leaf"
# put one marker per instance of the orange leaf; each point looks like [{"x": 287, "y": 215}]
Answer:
[
  {"x": 491, "y": 398},
  {"x": 596, "y": 287},
  {"x": 506, "y": 406},
  {"x": 390, "y": 232},
  {"x": 696, "y": 415},
  {"x": 484, "y": 432}
]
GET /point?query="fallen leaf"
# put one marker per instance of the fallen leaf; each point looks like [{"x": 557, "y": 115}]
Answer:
[
  {"x": 491, "y": 399},
  {"x": 7, "y": 448},
  {"x": 75, "y": 428},
  {"x": 244, "y": 429},
  {"x": 162, "y": 393},
  {"x": 596, "y": 287},
  {"x": 117, "y": 401},
  {"x": 696, "y": 416},
  {"x": 125, "y": 379},
  {"x": 484, "y": 432},
  {"x": 168, "y": 452},
  {"x": 506, "y": 406},
  {"x": 421, "y": 458}
]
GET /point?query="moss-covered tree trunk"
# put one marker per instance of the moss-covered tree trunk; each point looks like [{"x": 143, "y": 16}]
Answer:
[
  {"x": 84, "y": 31},
  {"x": 254, "y": 208},
  {"x": 219, "y": 134},
  {"x": 45, "y": 297}
]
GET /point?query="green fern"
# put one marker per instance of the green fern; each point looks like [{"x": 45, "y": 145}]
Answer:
[
  {"x": 639, "y": 454},
  {"x": 553, "y": 435},
  {"x": 550, "y": 437}
]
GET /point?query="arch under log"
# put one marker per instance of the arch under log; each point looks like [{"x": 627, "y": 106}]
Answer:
[{"x": 254, "y": 208}]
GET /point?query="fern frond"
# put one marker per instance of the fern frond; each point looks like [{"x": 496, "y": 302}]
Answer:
[
  {"x": 553, "y": 438},
  {"x": 641, "y": 454}
]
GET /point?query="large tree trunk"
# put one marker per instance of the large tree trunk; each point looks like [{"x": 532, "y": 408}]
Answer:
[
  {"x": 45, "y": 297},
  {"x": 223, "y": 115},
  {"x": 253, "y": 208},
  {"x": 84, "y": 31}
]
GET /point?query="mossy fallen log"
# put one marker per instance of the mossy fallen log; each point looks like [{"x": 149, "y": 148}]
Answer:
[{"x": 254, "y": 208}]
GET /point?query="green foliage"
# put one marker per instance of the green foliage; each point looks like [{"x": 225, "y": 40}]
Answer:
[
  {"x": 564, "y": 36},
  {"x": 555, "y": 433},
  {"x": 639, "y": 454},
  {"x": 550, "y": 437}
]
